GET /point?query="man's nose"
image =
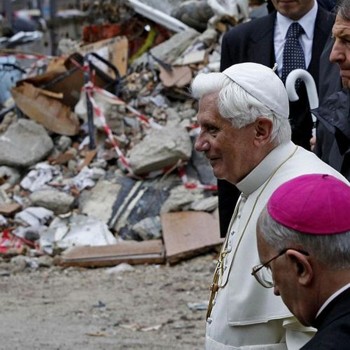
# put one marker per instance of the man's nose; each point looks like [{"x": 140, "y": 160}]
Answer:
[
  {"x": 337, "y": 54},
  {"x": 201, "y": 145}
]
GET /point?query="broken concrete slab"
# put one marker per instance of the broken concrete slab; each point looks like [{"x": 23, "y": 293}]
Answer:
[
  {"x": 168, "y": 51},
  {"x": 187, "y": 234},
  {"x": 98, "y": 202},
  {"x": 208, "y": 204},
  {"x": 149, "y": 228},
  {"x": 131, "y": 252},
  {"x": 24, "y": 143},
  {"x": 180, "y": 197},
  {"x": 160, "y": 149},
  {"x": 57, "y": 201}
]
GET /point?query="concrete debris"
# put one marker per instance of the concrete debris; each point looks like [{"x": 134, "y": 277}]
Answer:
[
  {"x": 123, "y": 267},
  {"x": 24, "y": 144},
  {"x": 3, "y": 221},
  {"x": 104, "y": 193},
  {"x": 34, "y": 216},
  {"x": 9, "y": 175},
  {"x": 98, "y": 165},
  {"x": 158, "y": 16},
  {"x": 63, "y": 143},
  {"x": 160, "y": 149},
  {"x": 195, "y": 14},
  {"x": 181, "y": 197},
  {"x": 149, "y": 228},
  {"x": 40, "y": 175},
  {"x": 75, "y": 230},
  {"x": 57, "y": 201},
  {"x": 29, "y": 233},
  {"x": 142, "y": 200},
  {"x": 208, "y": 204},
  {"x": 238, "y": 9},
  {"x": 170, "y": 50}
]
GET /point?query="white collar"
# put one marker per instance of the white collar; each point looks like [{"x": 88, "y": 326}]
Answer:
[
  {"x": 260, "y": 174},
  {"x": 332, "y": 297},
  {"x": 307, "y": 22}
]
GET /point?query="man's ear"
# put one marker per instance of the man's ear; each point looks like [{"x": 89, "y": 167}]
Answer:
[
  {"x": 263, "y": 129},
  {"x": 301, "y": 267}
]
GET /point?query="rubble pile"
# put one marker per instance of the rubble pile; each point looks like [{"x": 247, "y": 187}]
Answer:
[{"x": 97, "y": 164}]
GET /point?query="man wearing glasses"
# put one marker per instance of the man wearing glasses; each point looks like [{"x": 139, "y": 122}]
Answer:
[
  {"x": 303, "y": 237},
  {"x": 245, "y": 134}
]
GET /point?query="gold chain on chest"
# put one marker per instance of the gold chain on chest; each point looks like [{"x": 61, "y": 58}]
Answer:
[{"x": 219, "y": 270}]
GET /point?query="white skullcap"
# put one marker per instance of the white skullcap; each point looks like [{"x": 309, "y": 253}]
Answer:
[{"x": 262, "y": 83}]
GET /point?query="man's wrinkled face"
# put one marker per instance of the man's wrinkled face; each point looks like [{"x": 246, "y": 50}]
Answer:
[
  {"x": 293, "y": 9},
  {"x": 284, "y": 280},
  {"x": 227, "y": 148},
  {"x": 341, "y": 48}
]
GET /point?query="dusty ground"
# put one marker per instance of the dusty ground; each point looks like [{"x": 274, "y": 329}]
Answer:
[{"x": 149, "y": 307}]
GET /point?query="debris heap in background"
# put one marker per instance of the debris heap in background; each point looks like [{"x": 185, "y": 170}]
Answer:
[{"x": 97, "y": 164}]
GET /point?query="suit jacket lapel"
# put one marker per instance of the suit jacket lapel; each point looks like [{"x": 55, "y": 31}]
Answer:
[
  {"x": 323, "y": 26},
  {"x": 261, "y": 50}
]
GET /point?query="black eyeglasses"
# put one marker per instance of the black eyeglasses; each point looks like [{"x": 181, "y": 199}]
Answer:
[{"x": 262, "y": 272}]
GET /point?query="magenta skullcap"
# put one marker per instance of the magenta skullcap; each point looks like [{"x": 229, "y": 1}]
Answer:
[{"x": 314, "y": 204}]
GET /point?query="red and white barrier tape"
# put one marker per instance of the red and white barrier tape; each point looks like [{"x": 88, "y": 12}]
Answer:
[
  {"x": 38, "y": 60},
  {"x": 88, "y": 88},
  {"x": 143, "y": 119},
  {"x": 194, "y": 185}
]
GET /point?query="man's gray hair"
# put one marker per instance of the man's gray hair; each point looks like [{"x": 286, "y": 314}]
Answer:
[
  {"x": 238, "y": 106},
  {"x": 343, "y": 9},
  {"x": 331, "y": 250}
]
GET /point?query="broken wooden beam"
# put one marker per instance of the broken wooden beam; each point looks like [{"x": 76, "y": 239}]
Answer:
[{"x": 131, "y": 252}]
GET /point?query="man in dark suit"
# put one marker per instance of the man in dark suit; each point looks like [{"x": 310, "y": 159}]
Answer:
[
  {"x": 333, "y": 128},
  {"x": 303, "y": 238},
  {"x": 262, "y": 41}
]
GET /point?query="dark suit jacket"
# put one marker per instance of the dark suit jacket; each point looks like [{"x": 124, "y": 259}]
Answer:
[
  {"x": 333, "y": 326},
  {"x": 254, "y": 42}
]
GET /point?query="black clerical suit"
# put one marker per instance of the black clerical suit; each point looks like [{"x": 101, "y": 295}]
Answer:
[
  {"x": 333, "y": 326},
  {"x": 254, "y": 42}
]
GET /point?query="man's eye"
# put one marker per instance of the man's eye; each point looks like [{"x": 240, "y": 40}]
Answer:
[
  {"x": 345, "y": 41},
  {"x": 213, "y": 130}
]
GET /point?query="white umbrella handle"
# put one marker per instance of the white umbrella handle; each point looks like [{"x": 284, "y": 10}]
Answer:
[
  {"x": 309, "y": 83},
  {"x": 310, "y": 88}
]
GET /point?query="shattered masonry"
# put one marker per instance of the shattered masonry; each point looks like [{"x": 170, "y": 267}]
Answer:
[{"x": 96, "y": 143}]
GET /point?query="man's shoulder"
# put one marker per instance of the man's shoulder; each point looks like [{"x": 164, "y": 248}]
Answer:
[
  {"x": 255, "y": 25},
  {"x": 323, "y": 14}
]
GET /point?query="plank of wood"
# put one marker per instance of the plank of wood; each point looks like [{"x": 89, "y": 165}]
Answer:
[
  {"x": 131, "y": 252},
  {"x": 8, "y": 209},
  {"x": 189, "y": 233}
]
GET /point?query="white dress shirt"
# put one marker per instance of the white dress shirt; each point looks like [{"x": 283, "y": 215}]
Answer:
[{"x": 306, "y": 39}]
